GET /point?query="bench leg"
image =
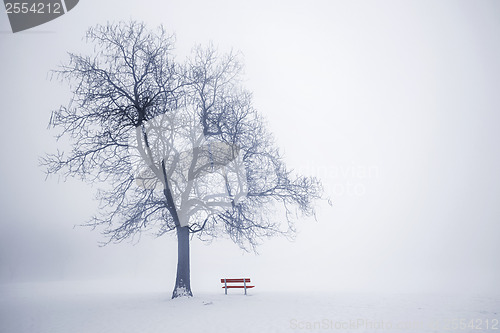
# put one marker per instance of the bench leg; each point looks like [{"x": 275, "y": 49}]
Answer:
[
  {"x": 225, "y": 286},
  {"x": 245, "y": 285}
]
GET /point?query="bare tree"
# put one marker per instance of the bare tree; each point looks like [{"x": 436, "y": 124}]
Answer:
[{"x": 177, "y": 146}]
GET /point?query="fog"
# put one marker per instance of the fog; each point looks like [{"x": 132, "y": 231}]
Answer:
[{"x": 393, "y": 104}]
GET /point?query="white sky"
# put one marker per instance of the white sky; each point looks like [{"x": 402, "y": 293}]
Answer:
[{"x": 394, "y": 104}]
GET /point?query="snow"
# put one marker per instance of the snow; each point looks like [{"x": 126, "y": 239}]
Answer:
[{"x": 120, "y": 308}]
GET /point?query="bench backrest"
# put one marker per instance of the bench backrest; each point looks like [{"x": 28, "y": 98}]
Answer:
[{"x": 235, "y": 280}]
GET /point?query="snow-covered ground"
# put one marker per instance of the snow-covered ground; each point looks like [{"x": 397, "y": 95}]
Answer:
[{"x": 119, "y": 308}]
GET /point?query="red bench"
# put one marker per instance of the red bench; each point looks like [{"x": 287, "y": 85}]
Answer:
[{"x": 242, "y": 280}]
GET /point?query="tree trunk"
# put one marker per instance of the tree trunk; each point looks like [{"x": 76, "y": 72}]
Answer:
[{"x": 183, "y": 280}]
